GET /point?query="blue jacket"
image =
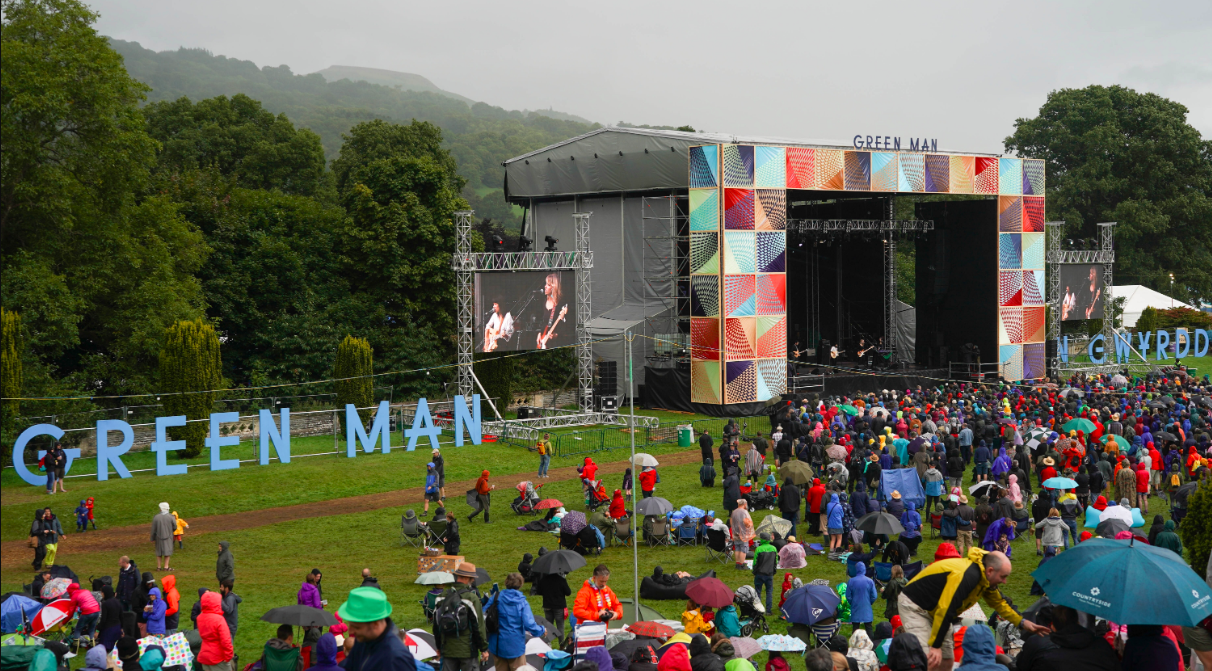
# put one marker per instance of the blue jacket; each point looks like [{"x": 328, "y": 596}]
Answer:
[
  {"x": 833, "y": 511},
  {"x": 513, "y": 619},
  {"x": 980, "y": 652},
  {"x": 861, "y": 593},
  {"x": 431, "y": 482},
  {"x": 386, "y": 653},
  {"x": 727, "y": 622},
  {"x": 912, "y": 521},
  {"x": 155, "y": 619}
]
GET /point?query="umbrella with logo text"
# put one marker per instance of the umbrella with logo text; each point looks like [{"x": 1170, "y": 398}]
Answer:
[
  {"x": 1126, "y": 582},
  {"x": 810, "y": 604}
]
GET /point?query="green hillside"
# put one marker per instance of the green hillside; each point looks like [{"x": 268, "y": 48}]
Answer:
[
  {"x": 478, "y": 135},
  {"x": 406, "y": 81}
]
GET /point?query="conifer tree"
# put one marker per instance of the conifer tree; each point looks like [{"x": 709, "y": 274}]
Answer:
[
  {"x": 12, "y": 377},
  {"x": 190, "y": 362},
  {"x": 352, "y": 370}
]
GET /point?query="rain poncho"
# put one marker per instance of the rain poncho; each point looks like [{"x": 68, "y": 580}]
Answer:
[{"x": 863, "y": 651}]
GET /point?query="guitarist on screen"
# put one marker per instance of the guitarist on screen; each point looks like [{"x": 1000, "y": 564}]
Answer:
[
  {"x": 499, "y": 327},
  {"x": 552, "y": 293}
]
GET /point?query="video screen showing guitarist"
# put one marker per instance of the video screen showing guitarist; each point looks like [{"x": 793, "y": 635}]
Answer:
[{"x": 524, "y": 310}]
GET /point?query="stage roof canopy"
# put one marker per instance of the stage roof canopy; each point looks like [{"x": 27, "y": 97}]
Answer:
[{"x": 614, "y": 160}]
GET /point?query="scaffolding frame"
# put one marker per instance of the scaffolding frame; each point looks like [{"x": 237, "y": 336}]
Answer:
[
  {"x": 1056, "y": 257},
  {"x": 671, "y": 211},
  {"x": 582, "y": 264},
  {"x": 890, "y": 287}
]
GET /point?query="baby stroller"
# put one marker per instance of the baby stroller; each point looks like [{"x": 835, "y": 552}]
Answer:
[
  {"x": 750, "y": 610},
  {"x": 595, "y": 496},
  {"x": 760, "y": 499},
  {"x": 527, "y": 498}
]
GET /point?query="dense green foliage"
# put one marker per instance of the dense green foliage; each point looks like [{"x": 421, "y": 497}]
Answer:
[
  {"x": 190, "y": 362},
  {"x": 1196, "y": 529},
  {"x": 354, "y": 365},
  {"x": 1117, "y": 155},
  {"x": 496, "y": 373},
  {"x": 12, "y": 374},
  {"x": 1152, "y": 319},
  {"x": 479, "y": 137}
]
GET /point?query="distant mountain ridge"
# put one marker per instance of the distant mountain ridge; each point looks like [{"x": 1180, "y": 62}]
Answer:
[{"x": 405, "y": 80}]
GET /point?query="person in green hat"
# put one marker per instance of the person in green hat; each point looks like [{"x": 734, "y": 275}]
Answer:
[{"x": 378, "y": 646}]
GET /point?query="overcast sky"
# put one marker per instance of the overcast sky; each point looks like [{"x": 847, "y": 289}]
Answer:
[{"x": 958, "y": 72}]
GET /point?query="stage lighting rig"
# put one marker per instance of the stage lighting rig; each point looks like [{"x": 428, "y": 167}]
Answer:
[
  {"x": 498, "y": 243},
  {"x": 551, "y": 244},
  {"x": 524, "y": 244}
]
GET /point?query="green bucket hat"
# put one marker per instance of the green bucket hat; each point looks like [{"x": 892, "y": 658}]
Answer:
[{"x": 365, "y": 604}]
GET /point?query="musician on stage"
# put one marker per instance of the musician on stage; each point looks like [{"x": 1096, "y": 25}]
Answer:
[
  {"x": 552, "y": 293},
  {"x": 499, "y": 326}
]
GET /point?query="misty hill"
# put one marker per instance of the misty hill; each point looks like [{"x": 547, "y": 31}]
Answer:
[
  {"x": 403, "y": 80},
  {"x": 480, "y": 136}
]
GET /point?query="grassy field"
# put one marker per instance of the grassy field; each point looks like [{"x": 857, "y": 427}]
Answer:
[{"x": 272, "y": 560}]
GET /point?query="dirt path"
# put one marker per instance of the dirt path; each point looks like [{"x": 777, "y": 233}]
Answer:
[{"x": 15, "y": 553}]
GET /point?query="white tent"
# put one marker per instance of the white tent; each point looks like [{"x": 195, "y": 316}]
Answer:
[{"x": 1137, "y": 297}]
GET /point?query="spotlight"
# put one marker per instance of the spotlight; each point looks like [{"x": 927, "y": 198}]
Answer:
[
  {"x": 524, "y": 244},
  {"x": 1069, "y": 243},
  {"x": 498, "y": 243},
  {"x": 551, "y": 244}
]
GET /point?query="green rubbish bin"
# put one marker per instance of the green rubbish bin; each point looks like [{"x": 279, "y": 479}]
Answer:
[{"x": 685, "y": 434}]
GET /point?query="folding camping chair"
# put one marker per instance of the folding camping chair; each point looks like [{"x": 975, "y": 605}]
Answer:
[
  {"x": 411, "y": 532},
  {"x": 717, "y": 546},
  {"x": 436, "y": 530},
  {"x": 688, "y": 532},
  {"x": 883, "y": 570},
  {"x": 429, "y": 604},
  {"x": 660, "y": 533},
  {"x": 622, "y": 531}
]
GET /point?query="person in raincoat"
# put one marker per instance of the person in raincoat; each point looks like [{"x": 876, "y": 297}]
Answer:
[
  {"x": 834, "y": 515},
  {"x": 154, "y": 612},
  {"x": 325, "y": 658},
  {"x": 1015, "y": 492},
  {"x": 618, "y": 507},
  {"x": 692, "y": 620},
  {"x": 1170, "y": 540},
  {"x": 514, "y": 621},
  {"x": 862, "y": 594},
  {"x": 1001, "y": 465},
  {"x": 862, "y": 651},
  {"x": 172, "y": 602},
  {"x": 163, "y": 528},
  {"x": 912, "y": 521},
  {"x": 432, "y": 492},
  {"x": 727, "y": 621},
  {"x": 980, "y": 651},
  {"x": 179, "y": 534}
]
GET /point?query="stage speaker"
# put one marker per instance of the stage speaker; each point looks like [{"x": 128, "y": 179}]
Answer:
[
  {"x": 610, "y": 404},
  {"x": 822, "y": 352},
  {"x": 608, "y": 380},
  {"x": 523, "y": 412}
]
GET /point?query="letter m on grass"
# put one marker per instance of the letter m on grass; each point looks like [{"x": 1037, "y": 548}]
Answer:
[{"x": 379, "y": 430}]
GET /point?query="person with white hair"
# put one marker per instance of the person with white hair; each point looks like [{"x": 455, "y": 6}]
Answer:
[{"x": 164, "y": 526}]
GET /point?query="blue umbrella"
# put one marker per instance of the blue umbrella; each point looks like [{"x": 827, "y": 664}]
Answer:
[
  {"x": 1060, "y": 483},
  {"x": 1126, "y": 583},
  {"x": 810, "y": 604}
]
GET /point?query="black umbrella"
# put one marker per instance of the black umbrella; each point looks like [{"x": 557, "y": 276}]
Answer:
[
  {"x": 1108, "y": 528},
  {"x": 1073, "y": 392},
  {"x": 1181, "y": 494},
  {"x": 654, "y": 505},
  {"x": 630, "y": 646},
  {"x": 1168, "y": 400},
  {"x": 558, "y": 561},
  {"x": 482, "y": 576},
  {"x": 1165, "y": 435},
  {"x": 1155, "y": 405},
  {"x": 1205, "y": 401},
  {"x": 300, "y": 616},
  {"x": 61, "y": 571},
  {"x": 879, "y": 523}
]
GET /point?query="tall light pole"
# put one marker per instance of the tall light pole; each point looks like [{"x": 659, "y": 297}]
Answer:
[
  {"x": 1171, "y": 291},
  {"x": 635, "y": 477}
]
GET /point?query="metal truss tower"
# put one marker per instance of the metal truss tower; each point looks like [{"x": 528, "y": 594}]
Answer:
[
  {"x": 583, "y": 264},
  {"x": 890, "y": 289},
  {"x": 464, "y": 266}
]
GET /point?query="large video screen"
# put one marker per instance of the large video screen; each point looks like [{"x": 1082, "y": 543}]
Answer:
[
  {"x": 525, "y": 310},
  {"x": 1081, "y": 292}
]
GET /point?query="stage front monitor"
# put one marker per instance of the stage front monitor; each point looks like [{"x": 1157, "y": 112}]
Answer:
[
  {"x": 1081, "y": 292},
  {"x": 525, "y": 310}
]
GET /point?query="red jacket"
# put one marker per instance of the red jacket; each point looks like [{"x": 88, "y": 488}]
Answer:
[
  {"x": 1155, "y": 458},
  {"x": 216, "y": 639},
  {"x": 1142, "y": 479},
  {"x": 647, "y": 480},
  {"x": 815, "y": 494}
]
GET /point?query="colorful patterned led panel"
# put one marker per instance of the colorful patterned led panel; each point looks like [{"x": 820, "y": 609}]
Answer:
[
  {"x": 704, "y": 209},
  {"x": 1033, "y": 250},
  {"x": 705, "y": 339},
  {"x": 740, "y": 338},
  {"x": 705, "y": 295},
  {"x": 771, "y": 252},
  {"x": 739, "y": 298},
  {"x": 829, "y": 169},
  {"x": 738, "y": 165},
  {"x": 1033, "y": 288},
  {"x": 858, "y": 171},
  {"x": 740, "y": 384},
  {"x": 1010, "y": 288},
  {"x": 1034, "y": 323},
  {"x": 1034, "y": 361},
  {"x": 770, "y": 168},
  {"x": 703, "y": 170},
  {"x": 770, "y": 209},
  {"x": 738, "y": 209},
  {"x": 772, "y": 337},
  {"x": 1011, "y": 326},
  {"x": 771, "y": 378},
  {"x": 738, "y": 252},
  {"x": 911, "y": 169},
  {"x": 705, "y": 382},
  {"x": 1010, "y": 175},
  {"x": 1010, "y": 214},
  {"x": 1033, "y": 177},
  {"x": 705, "y": 253},
  {"x": 772, "y": 294},
  {"x": 985, "y": 178},
  {"x": 938, "y": 171},
  {"x": 1009, "y": 250},
  {"x": 883, "y": 171},
  {"x": 801, "y": 168},
  {"x": 961, "y": 174},
  {"x": 1012, "y": 362},
  {"x": 1033, "y": 215}
]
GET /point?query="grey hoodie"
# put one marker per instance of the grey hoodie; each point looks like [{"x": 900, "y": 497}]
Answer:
[{"x": 1052, "y": 531}]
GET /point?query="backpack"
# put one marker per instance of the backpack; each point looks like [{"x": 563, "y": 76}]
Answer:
[
  {"x": 492, "y": 616},
  {"x": 1175, "y": 480},
  {"x": 454, "y": 614}
]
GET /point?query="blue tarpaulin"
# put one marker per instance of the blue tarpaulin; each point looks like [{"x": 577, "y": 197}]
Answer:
[
  {"x": 11, "y": 610},
  {"x": 905, "y": 481}
]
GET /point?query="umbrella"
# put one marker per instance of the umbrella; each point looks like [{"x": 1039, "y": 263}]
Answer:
[
  {"x": 1126, "y": 582},
  {"x": 1079, "y": 424},
  {"x": 653, "y": 505},
  {"x": 651, "y": 629},
  {"x": 1111, "y": 526},
  {"x": 691, "y": 511},
  {"x": 979, "y": 486},
  {"x": 810, "y": 604},
  {"x": 1073, "y": 392},
  {"x": 879, "y": 523},
  {"x": 1168, "y": 400},
  {"x": 435, "y": 578},
  {"x": 1060, "y": 483},
  {"x": 558, "y": 561},
  {"x": 51, "y": 616},
  {"x": 55, "y": 588},
  {"x": 472, "y": 498},
  {"x": 629, "y": 646},
  {"x": 537, "y": 646},
  {"x": 775, "y": 524},
  {"x": 709, "y": 592},
  {"x": 744, "y": 647},
  {"x": 547, "y": 503},
  {"x": 300, "y": 616},
  {"x": 16, "y": 611},
  {"x": 1165, "y": 435},
  {"x": 482, "y": 576},
  {"x": 1205, "y": 401},
  {"x": 781, "y": 643},
  {"x": 848, "y": 409},
  {"x": 1181, "y": 494},
  {"x": 573, "y": 522},
  {"x": 1119, "y": 380},
  {"x": 1155, "y": 405},
  {"x": 799, "y": 472},
  {"x": 421, "y": 644},
  {"x": 1116, "y": 513},
  {"x": 1007, "y": 420},
  {"x": 643, "y": 459},
  {"x": 1033, "y": 444},
  {"x": 1037, "y": 433}
]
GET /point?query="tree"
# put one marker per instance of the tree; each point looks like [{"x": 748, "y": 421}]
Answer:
[
  {"x": 1117, "y": 155},
  {"x": 238, "y": 137},
  {"x": 352, "y": 372},
  {"x": 1196, "y": 529},
  {"x": 495, "y": 371},
  {"x": 190, "y": 374},
  {"x": 1147, "y": 321},
  {"x": 12, "y": 374}
]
